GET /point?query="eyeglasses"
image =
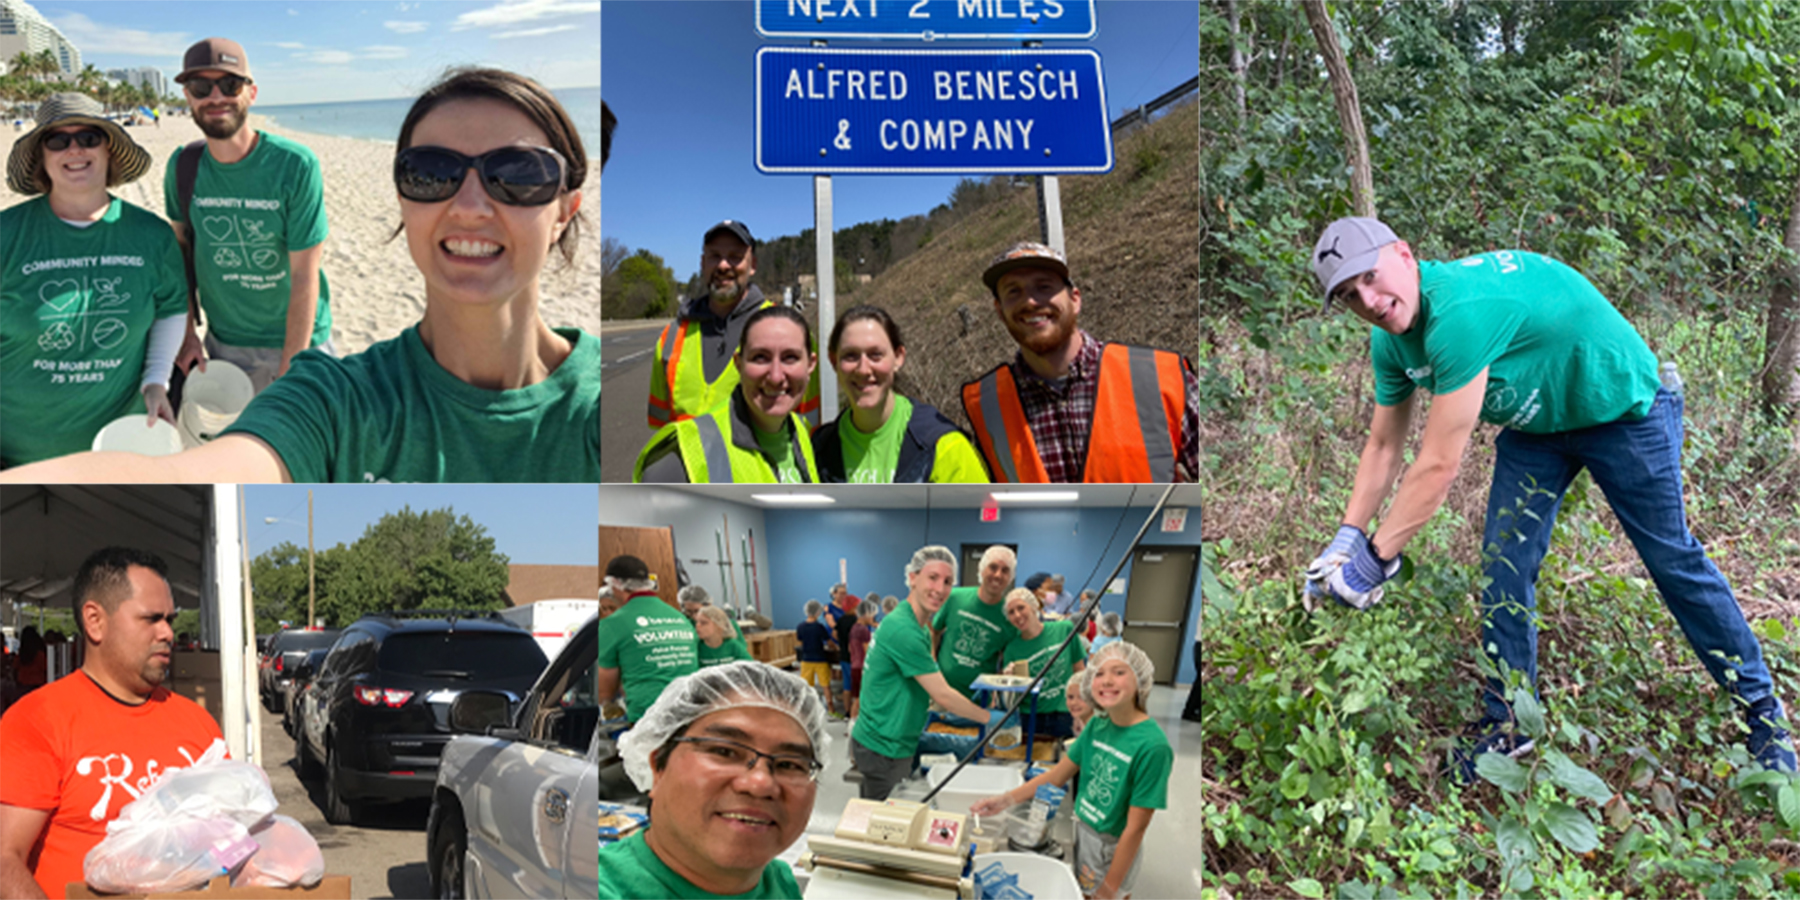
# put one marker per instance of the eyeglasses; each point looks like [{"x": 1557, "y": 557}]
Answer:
[
  {"x": 515, "y": 176},
  {"x": 200, "y": 88},
  {"x": 86, "y": 137},
  {"x": 790, "y": 771}
]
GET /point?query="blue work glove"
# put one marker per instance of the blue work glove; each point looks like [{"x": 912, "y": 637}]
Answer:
[
  {"x": 1358, "y": 582},
  {"x": 995, "y": 716},
  {"x": 1350, "y": 539}
]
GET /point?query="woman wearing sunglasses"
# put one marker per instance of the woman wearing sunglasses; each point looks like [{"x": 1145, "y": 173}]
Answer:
[
  {"x": 882, "y": 437},
  {"x": 92, "y": 300},
  {"x": 756, "y": 436},
  {"x": 481, "y": 389}
]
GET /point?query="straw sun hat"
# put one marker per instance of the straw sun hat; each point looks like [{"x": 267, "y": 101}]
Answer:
[{"x": 128, "y": 161}]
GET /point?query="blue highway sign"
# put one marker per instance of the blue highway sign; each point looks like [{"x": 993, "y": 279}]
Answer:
[
  {"x": 994, "y": 20},
  {"x": 884, "y": 112}
]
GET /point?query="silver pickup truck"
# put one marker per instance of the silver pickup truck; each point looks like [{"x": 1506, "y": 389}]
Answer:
[{"x": 516, "y": 809}]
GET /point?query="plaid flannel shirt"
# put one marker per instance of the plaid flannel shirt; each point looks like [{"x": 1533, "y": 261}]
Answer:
[{"x": 1060, "y": 412}]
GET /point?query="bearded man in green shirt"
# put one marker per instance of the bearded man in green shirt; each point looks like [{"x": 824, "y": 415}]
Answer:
[
  {"x": 971, "y": 625},
  {"x": 1522, "y": 341}
]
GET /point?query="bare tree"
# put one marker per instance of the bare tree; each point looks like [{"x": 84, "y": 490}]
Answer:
[
  {"x": 612, "y": 252},
  {"x": 1781, "y": 364},
  {"x": 1237, "y": 62},
  {"x": 1343, "y": 92}
]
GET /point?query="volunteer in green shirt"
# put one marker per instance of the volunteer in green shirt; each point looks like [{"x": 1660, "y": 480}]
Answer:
[
  {"x": 1522, "y": 341},
  {"x": 645, "y": 644},
  {"x": 884, "y": 438},
  {"x": 256, "y": 223},
  {"x": 730, "y": 758},
  {"x": 91, "y": 306},
  {"x": 900, "y": 679},
  {"x": 1124, "y": 759},
  {"x": 972, "y": 626},
  {"x": 757, "y": 434},
  {"x": 719, "y": 644},
  {"x": 481, "y": 389},
  {"x": 1035, "y": 643}
]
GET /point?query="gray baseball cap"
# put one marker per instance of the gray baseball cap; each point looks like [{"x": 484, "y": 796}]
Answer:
[{"x": 1349, "y": 247}]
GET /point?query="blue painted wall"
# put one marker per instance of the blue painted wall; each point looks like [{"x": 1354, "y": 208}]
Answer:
[{"x": 805, "y": 546}]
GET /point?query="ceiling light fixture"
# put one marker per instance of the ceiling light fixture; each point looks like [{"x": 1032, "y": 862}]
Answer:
[
  {"x": 797, "y": 499},
  {"x": 1036, "y": 496}
]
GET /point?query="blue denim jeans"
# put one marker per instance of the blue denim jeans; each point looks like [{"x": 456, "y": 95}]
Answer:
[{"x": 1638, "y": 466}]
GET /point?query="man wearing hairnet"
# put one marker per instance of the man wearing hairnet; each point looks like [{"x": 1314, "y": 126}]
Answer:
[
  {"x": 645, "y": 644},
  {"x": 900, "y": 679},
  {"x": 730, "y": 757}
]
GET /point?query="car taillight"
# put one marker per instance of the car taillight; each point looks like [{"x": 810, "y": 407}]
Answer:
[
  {"x": 280, "y": 664},
  {"x": 374, "y": 696}
]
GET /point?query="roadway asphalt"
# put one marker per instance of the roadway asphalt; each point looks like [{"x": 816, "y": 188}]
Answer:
[
  {"x": 384, "y": 856},
  {"x": 626, "y": 349}
]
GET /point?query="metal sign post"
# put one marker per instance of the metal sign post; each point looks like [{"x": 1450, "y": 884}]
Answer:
[{"x": 822, "y": 235}]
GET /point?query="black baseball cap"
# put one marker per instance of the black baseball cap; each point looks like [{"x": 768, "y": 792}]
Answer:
[
  {"x": 737, "y": 229},
  {"x": 627, "y": 568}
]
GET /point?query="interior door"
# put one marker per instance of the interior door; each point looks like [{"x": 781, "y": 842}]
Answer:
[
  {"x": 1156, "y": 604},
  {"x": 655, "y": 546}
]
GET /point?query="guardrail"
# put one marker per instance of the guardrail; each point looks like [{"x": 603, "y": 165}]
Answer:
[{"x": 1142, "y": 113}]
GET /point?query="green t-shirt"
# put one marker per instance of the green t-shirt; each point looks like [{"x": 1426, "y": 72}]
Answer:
[
  {"x": 974, "y": 633},
  {"x": 247, "y": 217},
  {"x": 727, "y": 651},
  {"x": 1559, "y": 356},
  {"x": 630, "y": 870},
  {"x": 874, "y": 458},
  {"x": 778, "y": 448},
  {"x": 76, "y": 305},
  {"x": 391, "y": 413},
  {"x": 1120, "y": 768},
  {"x": 1037, "y": 652},
  {"x": 894, "y": 705},
  {"x": 651, "y": 644}
]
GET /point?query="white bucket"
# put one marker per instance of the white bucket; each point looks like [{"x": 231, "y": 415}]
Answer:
[
  {"x": 1041, "y": 877},
  {"x": 128, "y": 434},
  {"x": 972, "y": 784},
  {"x": 211, "y": 401}
]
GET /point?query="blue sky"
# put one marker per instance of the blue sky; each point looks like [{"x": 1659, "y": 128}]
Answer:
[
  {"x": 680, "y": 76},
  {"x": 324, "y": 51},
  {"x": 541, "y": 524}
]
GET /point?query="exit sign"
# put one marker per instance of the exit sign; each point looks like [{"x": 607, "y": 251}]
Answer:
[{"x": 990, "y": 512}]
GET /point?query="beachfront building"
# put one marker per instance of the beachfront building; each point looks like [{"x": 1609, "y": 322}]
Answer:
[
  {"x": 142, "y": 77},
  {"x": 24, "y": 30}
]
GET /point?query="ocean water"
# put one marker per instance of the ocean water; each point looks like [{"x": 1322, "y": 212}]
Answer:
[{"x": 380, "y": 119}]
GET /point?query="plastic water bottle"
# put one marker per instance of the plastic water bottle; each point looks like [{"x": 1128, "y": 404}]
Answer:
[{"x": 1671, "y": 379}]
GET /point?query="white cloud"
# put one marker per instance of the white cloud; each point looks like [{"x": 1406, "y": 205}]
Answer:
[
  {"x": 326, "y": 57},
  {"x": 290, "y": 45},
  {"x": 406, "y": 6},
  {"x": 382, "y": 52},
  {"x": 406, "y": 27},
  {"x": 93, "y": 38},
  {"x": 534, "y": 32},
  {"x": 514, "y": 12},
  {"x": 293, "y": 12}
]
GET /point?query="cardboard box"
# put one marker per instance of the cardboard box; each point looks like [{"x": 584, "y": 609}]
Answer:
[{"x": 331, "y": 887}]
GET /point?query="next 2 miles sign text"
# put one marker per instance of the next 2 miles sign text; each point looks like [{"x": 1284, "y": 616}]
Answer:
[{"x": 1004, "y": 20}]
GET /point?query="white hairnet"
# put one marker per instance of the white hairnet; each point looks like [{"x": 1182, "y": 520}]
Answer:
[
  {"x": 734, "y": 685},
  {"x": 693, "y": 595},
  {"x": 1081, "y": 684},
  {"x": 1000, "y": 551},
  {"x": 1110, "y": 624},
  {"x": 1140, "y": 664},
  {"x": 931, "y": 554},
  {"x": 813, "y": 608}
]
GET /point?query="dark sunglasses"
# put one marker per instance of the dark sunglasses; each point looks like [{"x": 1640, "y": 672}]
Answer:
[
  {"x": 515, "y": 176},
  {"x": 200, "y": 88},
  {"x": 86, "y": 137}
]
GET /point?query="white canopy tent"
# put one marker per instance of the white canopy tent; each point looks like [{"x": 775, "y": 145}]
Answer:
[{"x": 47, "y": 530}]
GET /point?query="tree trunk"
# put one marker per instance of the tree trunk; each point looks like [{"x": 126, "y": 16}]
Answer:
[
  {"x": 1237, "y": 62},
  {"x": 1781, "y": 364},
  {"x": 1343, "y": 91}
]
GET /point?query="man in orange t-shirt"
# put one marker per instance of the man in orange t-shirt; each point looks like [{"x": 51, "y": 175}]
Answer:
[{"x": 81, "y": 748}]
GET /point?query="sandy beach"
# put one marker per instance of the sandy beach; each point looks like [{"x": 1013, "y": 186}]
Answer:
[{"x": 376, "y": 291}]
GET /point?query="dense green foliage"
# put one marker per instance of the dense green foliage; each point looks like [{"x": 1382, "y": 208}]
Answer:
[
  {"x": 1651, "y": 146},
  {"x": 407, "y": 560}
]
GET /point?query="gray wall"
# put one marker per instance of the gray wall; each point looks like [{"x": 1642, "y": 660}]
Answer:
[{"x": 697, "y": 521}]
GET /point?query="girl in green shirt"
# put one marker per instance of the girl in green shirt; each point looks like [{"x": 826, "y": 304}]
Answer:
[
  {"x": 719, "y": 643},
  {"x": 1036, "y": 642},
  {"x": 481, "y": 389},
  {"x": 882, "y": 437},
  {"x": 1124, "y": 759}
]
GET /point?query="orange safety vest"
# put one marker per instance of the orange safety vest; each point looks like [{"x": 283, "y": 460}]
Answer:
[{"x": 1135, "y": 435}]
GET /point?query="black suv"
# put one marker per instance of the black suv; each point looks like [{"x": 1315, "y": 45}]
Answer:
[
  {"x": 376, "y": 717},
  {"x": 285, "y": 650}
]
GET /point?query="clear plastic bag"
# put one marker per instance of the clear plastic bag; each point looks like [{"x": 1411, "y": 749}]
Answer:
[
  {"x": 286, "y": 856},
  {"x": 191, "y": 825},
  {"x": 168, "y": 856}
]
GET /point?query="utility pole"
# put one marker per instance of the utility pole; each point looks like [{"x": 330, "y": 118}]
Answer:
[{"x": 310, "y": 580}]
